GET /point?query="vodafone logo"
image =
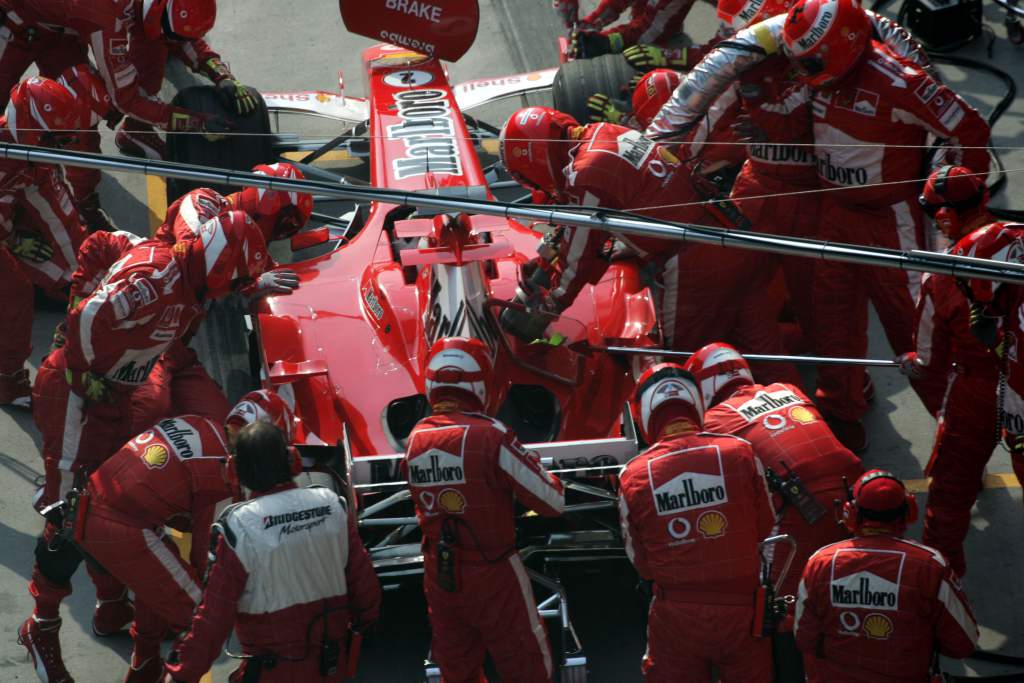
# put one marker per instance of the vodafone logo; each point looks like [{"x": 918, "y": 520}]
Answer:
[{"x": 679, "y": 528}]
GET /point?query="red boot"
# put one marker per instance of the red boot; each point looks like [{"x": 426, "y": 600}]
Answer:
[
  {"x": 41, "y": 637},
  {"x": 113, "y": 616},
  {"x": 145, "y": 669}
]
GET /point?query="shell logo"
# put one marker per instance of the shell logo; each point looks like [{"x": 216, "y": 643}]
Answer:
[
  {"x": 712, "y": 524},
  {"x": 802, "y": 415},
  {"x": 878, "y": 626},
  {"x": 155, "y": 457},
  {"x": 452, "y": 502}
]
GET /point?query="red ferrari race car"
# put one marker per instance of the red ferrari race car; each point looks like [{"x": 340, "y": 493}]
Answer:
[{"x": 381, "y": 283}]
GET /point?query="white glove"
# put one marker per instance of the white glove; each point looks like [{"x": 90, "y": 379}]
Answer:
[{"x": 272, "y": 282}]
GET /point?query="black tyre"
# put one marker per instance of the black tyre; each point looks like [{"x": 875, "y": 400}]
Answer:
[
  {"x": 237, "y": 152},
  {"x": 577, "y": 80}
]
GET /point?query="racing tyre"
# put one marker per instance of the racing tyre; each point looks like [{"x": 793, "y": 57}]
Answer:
[
  {"x": 577, "y": 80},
  {"x": 237, "y": 152}
]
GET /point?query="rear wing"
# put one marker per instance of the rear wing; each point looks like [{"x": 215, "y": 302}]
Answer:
[{"x": 584, "y": 458}]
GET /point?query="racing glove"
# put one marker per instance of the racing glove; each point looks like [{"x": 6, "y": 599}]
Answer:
[
  {"x": 88, "y": 385},
  {"x": 272, "y": 282},
  {"x": 568, "y": 10},
  {"x": 234, "y": 95},
  {"x": 985, "y": 328},
  {"x": 910, "y": 365},
  {"x": 30, "y": 247},
  {"x": 588, "y": 44},
  {"x": 649, "y": 57},
  {"x": 212, "y": 126},
  {"x": 745, "y": 130},
  {"x": 602, "y": 108}
]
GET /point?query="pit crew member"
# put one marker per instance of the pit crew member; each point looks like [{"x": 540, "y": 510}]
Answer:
[
  {"x": 707, "y": 294},
  {"x": 289, "y": 573},
  {"x": 957, "y": 201},
  {"x": 878, "y": 606},
  {"x": 651, "y": 21},
  {"x": 146, "y": 301},
  {"x": 172, "y": 474},
  {"x": 466, "y": 472},
  {"x": 56, "y": 34},
  {"x": 873, "y": 111},
  {"x": 996, "y": 320},
  {"x": 39, "y": 227},
  {"x": 693, "y": 508},
  {"x": 788, "y": 435},
  {"x": 806, "y": 465}
]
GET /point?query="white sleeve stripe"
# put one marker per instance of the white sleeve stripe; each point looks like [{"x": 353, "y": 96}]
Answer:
[
  {"x": 801, "y": 598},
  {"x": 533, "y": 481},
  {"x": 572, "y": 260},
  {"x": 55, "y": 224},
  {"x": 86, "y": 319},
  {"x": 924, "y": 330},
  {"x": 956, "y": 608},
  {"x": 627, "y": 538}
]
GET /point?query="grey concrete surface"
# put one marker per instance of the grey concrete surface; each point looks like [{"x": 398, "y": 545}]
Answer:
[{"x": 283, "y": 46}]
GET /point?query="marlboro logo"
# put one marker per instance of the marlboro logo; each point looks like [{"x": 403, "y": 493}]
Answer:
[
  {"x": 765, "y": 402},
  {"x": 874, "y": 581},
  {"x": 688, "y": 490},
  {"x": 434, "y": 467}
]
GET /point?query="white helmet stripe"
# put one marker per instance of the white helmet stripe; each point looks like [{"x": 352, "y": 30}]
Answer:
[
  {"x": 214, "y": 243},
  {"x": 37, "y": 115},
  {"x": 12, "y": 120}
]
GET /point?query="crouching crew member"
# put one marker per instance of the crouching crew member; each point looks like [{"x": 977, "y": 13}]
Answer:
[
  {"x": 877, "y": 607},
  {"x": 693, "y": 508},
  {"x": 467, "y": 471},
  {"x": 289, "y": 573}
]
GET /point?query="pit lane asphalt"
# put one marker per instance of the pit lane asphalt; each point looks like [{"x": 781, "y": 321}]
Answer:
[{"x": 273, "y": 47}]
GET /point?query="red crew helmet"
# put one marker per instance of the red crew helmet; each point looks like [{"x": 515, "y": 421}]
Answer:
[
  {"x": 459, "y": 370},
  {"x": 666, "y": 394},
  {"x": 232, "y": 248},
  {"x": 43, "y": 112},
  {"x": 880, "y": 501},
  {"x": 652, "y": 92},
  {"x": 950, "y": 194},
  {"x": 86, "y": 86},
  {"x": 534, "y": 148},
  {"x": 742, "y": 13},
  {"x": 997, "y": 243},
  {"x": 826, "y": 39},
  {"x": 279, "y": 213},
  {"x": 720, "y": 370},
  {"x": 263, "y": 406},
  {"x": 178, "y": 19}
]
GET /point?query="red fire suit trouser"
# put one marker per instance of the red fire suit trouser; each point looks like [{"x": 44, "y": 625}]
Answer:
[
  {"x": 16, "y": 341},
  {"x": 172, "y": 389},
  {"x": 841, "y": 295},
  {"x": 789, "y": 215},
  {"x": 713, "y": 294},
  {"x": 76, "y": 434},
  {"x": 964, "y": 441},
  {"x": 493, "y": 612},
  {"x": 684, "y": 640},
  {"x": 54, "y": 567},
  {"x": 166, "y": 587}
]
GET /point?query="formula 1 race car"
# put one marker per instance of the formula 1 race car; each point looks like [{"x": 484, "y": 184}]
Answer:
[{"x": 382, "y": 282}]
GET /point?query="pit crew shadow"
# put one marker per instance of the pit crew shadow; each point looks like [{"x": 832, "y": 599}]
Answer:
[
  {"x": 127, "y": 211},
  {"x": 17, "y": 556}
]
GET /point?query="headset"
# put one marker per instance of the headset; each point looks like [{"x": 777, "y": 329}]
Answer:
[
  {"x": 947, "y": 214},
  {"x": 853, "y": 516}
]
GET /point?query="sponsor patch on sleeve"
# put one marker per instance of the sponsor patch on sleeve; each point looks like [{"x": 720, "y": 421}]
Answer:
[
  {"x": 926, "y": 91},
  {"x": 953, "y": 116}
]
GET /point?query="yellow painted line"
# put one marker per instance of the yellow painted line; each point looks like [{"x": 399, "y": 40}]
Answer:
[
  {"x": 333, "y": 155},
  {"x": 156, "y": 201},
  {"x": 1006, "y": 480}
]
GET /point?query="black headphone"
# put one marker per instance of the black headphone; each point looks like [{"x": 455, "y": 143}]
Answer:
[
  {"x": 947, "y": 214},
  {"x": 853, "y": 515}
]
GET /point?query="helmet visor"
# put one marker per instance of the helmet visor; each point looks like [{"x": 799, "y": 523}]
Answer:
[{"x": 810, "y": 65}]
